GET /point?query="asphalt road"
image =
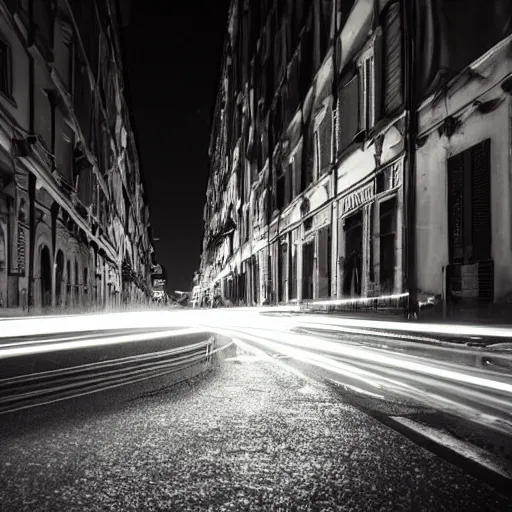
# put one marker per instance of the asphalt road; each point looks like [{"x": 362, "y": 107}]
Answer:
[{"x": 256, "y": 432}]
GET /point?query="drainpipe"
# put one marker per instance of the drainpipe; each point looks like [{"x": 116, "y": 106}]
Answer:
[
  {"x": 270, "y": 155},
  {"x": 410, "y": 158},
  {"x": 334, "y": 207},
  {"x": 32, "y": 237}
]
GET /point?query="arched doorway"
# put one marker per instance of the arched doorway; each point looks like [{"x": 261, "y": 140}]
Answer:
[
  {"x": 59, "y": 279},
  {"x": 46, "y": 277}
]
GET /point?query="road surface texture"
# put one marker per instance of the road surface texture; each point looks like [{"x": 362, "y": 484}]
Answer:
[{"x": 248, "y": 435}]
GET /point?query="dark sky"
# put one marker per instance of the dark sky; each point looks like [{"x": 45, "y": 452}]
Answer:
[{"x": 173, "y": 54}]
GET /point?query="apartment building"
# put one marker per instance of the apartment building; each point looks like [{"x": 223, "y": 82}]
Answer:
[
  {"x": 317, "y": 174},
  {"x": 74, "y": 218}
]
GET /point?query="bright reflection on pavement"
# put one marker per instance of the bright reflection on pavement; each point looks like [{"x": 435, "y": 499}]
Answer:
[{"x": 455, "y": 378}]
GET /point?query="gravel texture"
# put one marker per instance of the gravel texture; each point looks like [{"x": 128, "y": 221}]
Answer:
[{"x": 247, "y": 436}]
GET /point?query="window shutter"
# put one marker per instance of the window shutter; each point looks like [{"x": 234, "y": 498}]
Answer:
[
  {"x": 324, "y": 134},
  {"x": 349, "y": 112},
  {"x": 481, "y": 200},
  {"x": 456, "y": 207},
  {"x": 393, "y": 98},
  {"x": 308, "y": 152}
]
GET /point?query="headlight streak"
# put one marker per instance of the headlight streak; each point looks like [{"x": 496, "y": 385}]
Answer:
[
  {"x": 358, "y": 390},
  {"x": 263, "y": 355},
  {"x": 249, "y": 324},
  {"x": 480, "y": 399},
  {"x": 23, "y": 350},
  {"x": 304, "y": 356},
  {"x": 412, "y": 366},
  {"x": 365, "y": 332},
  {"x": 440, "y": 329},
  {"x": 53, "y": 386},
  {"x": 406, "y": 381}
]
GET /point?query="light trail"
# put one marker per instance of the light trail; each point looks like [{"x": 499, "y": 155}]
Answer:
[{"x": 24, "y": 349}]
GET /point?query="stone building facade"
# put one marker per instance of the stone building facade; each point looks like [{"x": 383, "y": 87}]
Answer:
[
  {"x": 74, "y": 218},
  {"x": 317, "y": 178}
]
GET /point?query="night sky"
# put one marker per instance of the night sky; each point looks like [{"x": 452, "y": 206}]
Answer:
[{"x": 173, "y": 57}]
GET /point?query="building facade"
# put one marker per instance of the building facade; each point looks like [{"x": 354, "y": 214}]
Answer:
[
  {"x": 74, "y": 218},
  {"x": 316, "y": 180},
  {"x": 159, "y": 284}
]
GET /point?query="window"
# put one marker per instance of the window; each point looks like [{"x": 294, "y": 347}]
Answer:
[
  {"x": 323, "y": 143},
  {"x": 280, "y": 191},
  {"x": 348, "y": 117},
  {"x": 369, "y": 72},
  {"x": 5, "y": 68},
  {"x": 392, "y": 55},
  {"x": 367, "y": 96},
  {"x": 318, "y": 154}
]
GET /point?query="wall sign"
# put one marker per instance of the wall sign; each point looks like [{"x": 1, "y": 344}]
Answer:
[{"x": 357, "y": 198}]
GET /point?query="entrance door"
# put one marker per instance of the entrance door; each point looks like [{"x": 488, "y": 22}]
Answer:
[
  {"x": 324, "y": 262},
  {"x": 59, "y": 279},
  {"x": 308, "y": 255},
  {"x": 46, "y": 278},
  {"x": 352, "y": 274},
  {"x": 283, "y": 277}
]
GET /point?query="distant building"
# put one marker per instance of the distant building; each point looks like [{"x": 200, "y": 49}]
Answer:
[
  {"x": 159, "y": 283},
  {"x": 74, "y": 217},
  {"x": 336, "y": 159}
]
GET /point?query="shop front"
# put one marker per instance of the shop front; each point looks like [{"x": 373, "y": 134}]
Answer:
[{"x": 370, "y": 235}]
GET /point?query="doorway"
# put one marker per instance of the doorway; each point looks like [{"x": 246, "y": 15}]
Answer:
[
  {"x": 353, "y": 267},
  {"x": 308, "y": 259},
  {"x": 59, "y": 278},
  {"x": 46, "y": 277}
]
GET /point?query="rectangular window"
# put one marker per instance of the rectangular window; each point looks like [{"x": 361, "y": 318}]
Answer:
[
  {"x": 318, "y": 155},
  {"x": 5, "y": 68},
  {"x": 367, "y": 97},
  {"x": 349, "y": 116},
  {"x": 393, "y": 94},
  {"x": 280, "y": 191}
]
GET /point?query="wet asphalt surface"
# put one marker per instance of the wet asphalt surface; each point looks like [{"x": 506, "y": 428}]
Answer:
[{"x": 247, "y": 435}]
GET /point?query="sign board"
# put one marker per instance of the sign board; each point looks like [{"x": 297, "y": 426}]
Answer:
[
  {"x": 159, "y": 282},
  {"x": 357, "y": 198}
]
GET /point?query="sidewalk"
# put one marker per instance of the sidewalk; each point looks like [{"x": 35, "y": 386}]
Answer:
[{"x": 498, "y": 316}]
